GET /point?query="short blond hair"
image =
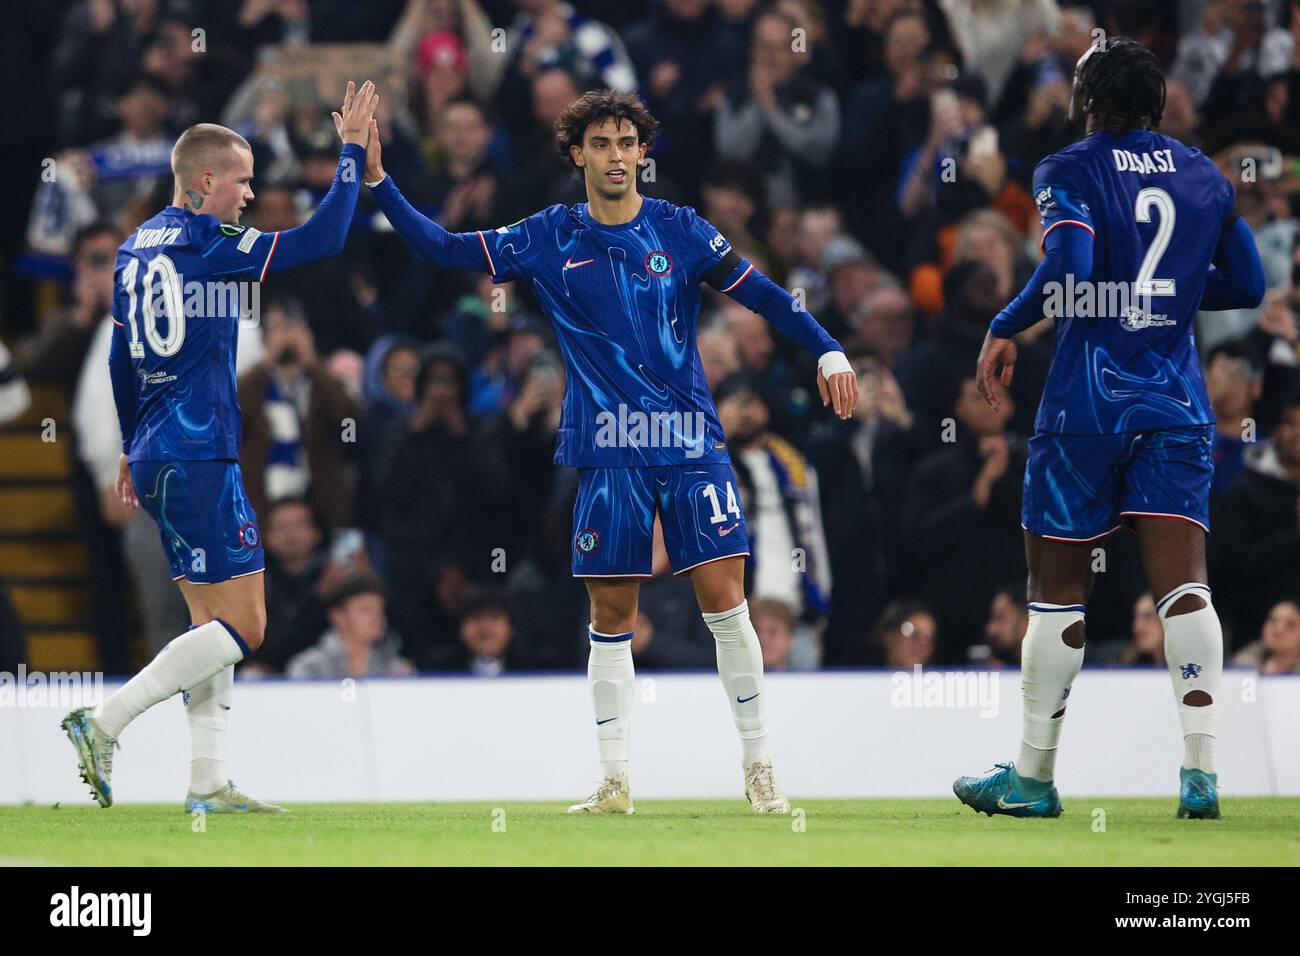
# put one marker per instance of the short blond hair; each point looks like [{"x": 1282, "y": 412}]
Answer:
[{"x": 204, "y": 145}]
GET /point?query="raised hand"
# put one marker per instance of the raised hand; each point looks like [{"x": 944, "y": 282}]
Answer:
[
  {"x": 356, "y": 119},
  {"x": 374, "y": 165}
]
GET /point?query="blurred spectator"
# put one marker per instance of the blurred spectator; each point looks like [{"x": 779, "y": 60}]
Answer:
[
  {"x": 886, "y": 318},
  {"x": 774, "y": 620},
  {"x": 961, "y": 500},
  {"x": 55, "y": 351},
  {"x": 782, "y": 506},
  {"x": 861, "y": 467},
  {"x": 358, "y": 642},
  {"x": 905, "y": 636},
  {"x": 931, "y": 373},
  {"x": 539, "y": 176},
  {"x": 884, "y": 118},
  {"x": 1277, "y": 651},
  {"x": 388, "y": 393},
  {"x": 550, "y": 35},
  {"x": 1004, "y": 631},
  {"x": 95, "y": 182},
  {"x": 1234, "y": 383},
  {"x": 326, "y": 289},
  {"x": 781, "y": 381},
  {"x": 733, "y": 195},
  {"x": 1255, "y": 548},
  {"x": 1262, "y": 202},
  {"x": 1146, "y": 644},
  {"x": 993, "y": 34},
  {"x": 297, "y": 420},
  {"x": 684, "y": 56},
  {"x": 496, "y": 380},
  {"x": 1032, "y": 108},
  {"x": 464, "y": 186},
  {"x": 486, "y": 645},
  {"x": 719, "y": 352},
  {"x": 296, "y": 581},
  {"x": 818, "y": 227},
  {"x": 670, "y": 633},
  {"x": 851, "y": 274},
  {"x": 779, "y": 118},
  {"x": 1225, "y": 62},
  {"x": 443, "y": 495}
]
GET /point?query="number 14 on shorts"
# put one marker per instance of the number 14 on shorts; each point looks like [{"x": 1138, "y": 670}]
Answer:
[{"x": 710, "y": 491}]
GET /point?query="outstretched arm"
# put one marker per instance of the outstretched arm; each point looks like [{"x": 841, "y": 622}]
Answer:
[
  {"x": 431, "y": 242},
  {"x": 1237, "y": 279},
  {"x": 323, "y": 235},
  {"x": 739, "y": 279}
]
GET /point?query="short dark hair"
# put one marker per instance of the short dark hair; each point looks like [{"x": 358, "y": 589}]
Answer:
[
  {"x": 353, "y": 586},
  {"x": 487, "y": 600},
  {"x": 1237, "y": 349},
  {"x": 596, "y": 106},
  {"x": 87, "y": 232},
  {"x": 1121, "y": 79},
  {"x": 292, "y": 501}
]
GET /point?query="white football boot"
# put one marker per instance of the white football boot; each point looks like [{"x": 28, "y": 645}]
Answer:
[
  {"x": 612, "y": 796},
  {"x": 761, "y": 789}
]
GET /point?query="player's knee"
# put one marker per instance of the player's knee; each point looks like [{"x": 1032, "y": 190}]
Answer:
[
  {"x": 249, "y": 625},
  {"x": 612, "y": 616}
]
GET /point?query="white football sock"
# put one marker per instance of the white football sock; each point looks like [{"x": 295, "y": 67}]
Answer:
[
  {"x": 611, "y": 677},
  {"x": 1194, "y": 653},
  {"x": 206, "y": 708},
  {"x": 740, "y": 665},
  {"x": 187, "y": 661},
  {"x": 1048, "y": 667}
]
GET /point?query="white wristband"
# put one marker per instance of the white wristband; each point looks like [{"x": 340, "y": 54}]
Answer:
[
  {"x": 378, "y": 182},
  {"x": 832, "y": 363}
]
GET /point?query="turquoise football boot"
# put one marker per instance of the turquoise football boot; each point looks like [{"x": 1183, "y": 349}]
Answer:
[
  {"x": 1198, "y": 795},
  {"x": 1002, "y": 790},
  {"x": 94, "y": 753}
]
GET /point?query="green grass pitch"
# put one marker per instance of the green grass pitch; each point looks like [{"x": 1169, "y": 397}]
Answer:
[{"x": 1254, "y": 831}]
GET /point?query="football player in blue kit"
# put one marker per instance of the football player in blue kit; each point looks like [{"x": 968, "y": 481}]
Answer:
[
  {"x": 181, "y": 278},
  {"x": 619, "y": 277},
  {"x": 1124, "y": 429}
]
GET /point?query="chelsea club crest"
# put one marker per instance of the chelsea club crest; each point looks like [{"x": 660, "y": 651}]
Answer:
[{"x": 658, "y": 263}]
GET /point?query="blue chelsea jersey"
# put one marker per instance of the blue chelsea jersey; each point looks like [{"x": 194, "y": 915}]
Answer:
[
  {"x": 1126, "y": 360},
  {"x": 624, "y": 301},
  {"x": 182, "y": 280}
]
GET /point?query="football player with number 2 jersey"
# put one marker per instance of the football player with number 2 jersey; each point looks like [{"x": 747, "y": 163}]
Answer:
[{"x": 1139, "y": 234}]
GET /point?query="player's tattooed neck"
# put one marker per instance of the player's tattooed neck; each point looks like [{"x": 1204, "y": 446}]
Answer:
[{"x": 195, "y": 199}]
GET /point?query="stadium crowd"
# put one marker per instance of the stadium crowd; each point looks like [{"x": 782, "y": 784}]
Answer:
[{"x": 874, "y": 156}]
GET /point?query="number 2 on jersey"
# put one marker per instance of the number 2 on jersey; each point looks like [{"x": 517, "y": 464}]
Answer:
[{"x": 1146, "y": 283}]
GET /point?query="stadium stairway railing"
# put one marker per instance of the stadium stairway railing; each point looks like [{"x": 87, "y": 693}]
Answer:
[{"x": 42, "y": 555}]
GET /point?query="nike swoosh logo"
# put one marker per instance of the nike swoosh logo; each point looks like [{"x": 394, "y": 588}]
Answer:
[
  {"x": 745, "y": 700},
  {"x": 723, "y": 532},
  {"x": 605, "y": 721},
  {"x": 224, "y": 707},
  {"x": 573, "y": 265},
  {"x": 1002, "y": 804}
]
